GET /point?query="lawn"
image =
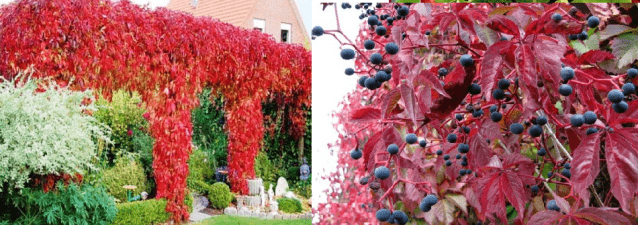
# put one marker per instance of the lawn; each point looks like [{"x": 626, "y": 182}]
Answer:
[{"x": 244, "y": 220}]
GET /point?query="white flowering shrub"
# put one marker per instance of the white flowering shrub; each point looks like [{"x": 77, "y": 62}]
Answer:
[{"x": 44, "y": 132}]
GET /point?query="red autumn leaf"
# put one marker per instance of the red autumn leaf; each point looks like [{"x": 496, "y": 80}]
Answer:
[
  {"x": 503, "y": 24},
  {"x": 585, "y": 165},
  {"x": 491, "y": 67},
  {"x": 367, "y": 114},
  {"x": 409, "y": 101},
  {"x": 621, "y": 152},
  {"x": 595, "y": 56}
]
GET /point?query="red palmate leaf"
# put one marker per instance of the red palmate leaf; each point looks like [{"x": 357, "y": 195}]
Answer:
[
  {"x": 585, "y": 165},
  {"x": 621, "y": 151},
  {"x": 503, "y": 24},
  {"x": 491, "y": 67},
  {"x": 409, "y": 99},
  {"x": 367, "y": 114},
  {"x": 595, "y": 56}
]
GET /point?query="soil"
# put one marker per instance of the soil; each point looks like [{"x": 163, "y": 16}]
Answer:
[{"x": 212, "y": 211}]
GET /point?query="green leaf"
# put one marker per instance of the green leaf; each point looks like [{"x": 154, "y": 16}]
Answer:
[
  {"x": 613, "y": 30},
  {"x": 625, "y": 47},
  {"x": 579, "y": 46}
]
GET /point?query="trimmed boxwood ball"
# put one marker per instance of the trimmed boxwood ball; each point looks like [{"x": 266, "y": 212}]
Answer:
[
  {"x": 474, "y": 89},
  {"x": 362, "y": 80},
  {"x": 516, "y": 128},
  {"x": 442, "y": 72},
  {"x": 567, "y": 73},
  {"x": 220, "y": 195},
  {"x": 356, "y": 154},
  {"x": 349, "y": 71},
  {"x": 381, "y": 30},
  {"x": 403, "y": 11},
  {"x": 393, "y": 149},
  {"x": 466, "y": 60},
  {"x": 369, "y": 44},
  {"x": 593, "y": 21},
  {"x": 628, "y": 89},
  {"x": 620, "y": 107},
  {"x": 463, "y": 148},
  {"x": 289, "y": 205},
  {"x": 347, "y": 54},
  {"x": 496, "y": 116},
  {"x": 577, "y": 120},
  {"x": 372, "y": 20},
  {"x": 590, "y": 117},
  {"x": 551, "y": 205},
  {"x": 565, "y": 89},
  {"x": 423, "y": 143},
  {"x": 615, "y": 96},
  {"x": 556, "y": 17},
  {"x": 633, "y": 72},
  {"x": 542, "y": 152},
  {"x": 382, "y": 173},
  {"x": 376, "y": 58},
  {"x": 535, "y": 131},
  {"x": 383, "y": 215},
  {"x": 411, "y": 138},
  {"x": 541, "y": 120},
  {"x": 400, "y": 217},
  {"x": 317, "y": 31},
  {"x": 452, "y": 138},
  {"x": 592, "y": 130},
  {"x": 391, "y": 48},
  {"x": 498, "y": 94},
  {"x": 503, "y": 84}
]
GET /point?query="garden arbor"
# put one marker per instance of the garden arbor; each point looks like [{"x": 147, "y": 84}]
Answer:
[{"x": 168, "y": 57}]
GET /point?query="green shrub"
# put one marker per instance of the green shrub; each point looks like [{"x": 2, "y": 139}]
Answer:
[
  {"x": 303, "y": 188},
  {"x": 208, "y": 128},
  {"x": 143, "y": 145},
  {"x": 200, "y": 167},
  {"x": 289, "y": 205},
  {"x": 44, "y": 133},
  {"x": 125, "y": 172},
  {"x": 219, "y": 195},
  {"x": 293, "y": 174},
  {"x": 198, "y": 186},
  {"x": 265, "y": 169},
  {"x": 146, "y": 212},
  {"x": 66, "y": 205},
  {"x": 121, "y": 115}
]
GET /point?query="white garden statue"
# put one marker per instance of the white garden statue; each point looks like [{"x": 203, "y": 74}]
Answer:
[{"x": 271, "y": 194}]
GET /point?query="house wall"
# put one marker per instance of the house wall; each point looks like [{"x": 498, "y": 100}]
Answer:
[{"x": 275, "y": 12}]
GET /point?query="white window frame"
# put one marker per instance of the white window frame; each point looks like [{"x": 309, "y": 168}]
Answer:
[
  {"x": 287, "y": 27},
  {"x": 260, "y": 23}
]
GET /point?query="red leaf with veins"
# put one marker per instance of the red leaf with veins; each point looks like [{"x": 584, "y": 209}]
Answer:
[
  {"x": 368, "y": 114},
  {"x": 528, "y": 80},
  {"x": 409, "y": 99},
  {"x": 455, "y": 84},
  {"x": 503, "y": 24},
  {"x": 585, "y": 165},
  {"x": 491, "y": 67},
  {"x": 621, "y": 151},
  {"x": 595, "y": 56}
]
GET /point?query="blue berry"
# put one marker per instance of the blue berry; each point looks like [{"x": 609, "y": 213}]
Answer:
[
  {"x": 535, "y": 189},
  {"x": 593, "y": 21},
  {"x": 577, "y": 120},
  {"x": 403, "y": 11},
  {"x": 466, "y": 60},
  {"x": 567, "y": 73},
  {"x": 381, "y": 30},
  {"x": 381, "y": 76},
  {"x": 364, "y": 180},
  {"x": 503, "y": 38},
  {"x": 589, "y": 117},
  {"x": 615, "y": 96},
  {"x": 400, "y": 217},
  {"x": 466, "y": 129},
  {"x": 382, "y": 173},
  {"x": 493, "y": 108},
  {"x": 372, "y": 20},
  {"x": 371, "y": 83},
  {"x": 458, "y": 156},
  {"x": 620, "y": 107},
  {"x": 423, "y": 143},
  {"x": 566, "y": 173},
  {"x": 498, "y": 94},
  {"x": 542, "y": 152},
  {"x": 452, "y": 138},
  {"x": 349, "y": 71},
  {"x": 463, "y": 148},
  {"x": 383, "y": 215},
  {"x": 556, "y": 17},
  {"x": 459, "y": 117},
  {"x": 551, "y": 205},
  {"x": 442, "y": 72},
  {"x": 356, "y": 154},
  {"x": 347, "y": 54},
  {"x": 411, "y": 138},
  {"x": 573, "y": 37},
  {"x": 565, "y": 90},
  {"x": 391, "y": 48},
  {"x": 549, "y": 174},
  {"x": 446, "y": 157},
  {"x": 628, "y": 89},
  {"x": 393, "y": 149},
  {"x": 427, "y": 33},
  {"x": 516, "y": 128},
  {"x": 503, "y": 84},
  {"x": 535, "y": 131},
  {"x": 390, "y": 21},
  {"x": 369, "y": 44},
  {"x": 430, "y": 199},
  {"x": 541, "y": 120},
  {"x": 592, "y": 130},
  {"x": 478, "y": 113},
  {"x": 362, "y": 80},
  {"x": 424, "y": 206},
  {"x": 464, "y": 163},
  {"x": 376, "y": 58},
  {"x": 317, "y": 31},
  {"x": 583, "y": 36},
  {"x": 462, "y": 172},
  {"x": 439, "y": 152},
  {"x": 474, "y": 89},
  {"x": 567, "y": 166},
  {"x": 448, "y": 163},
  {"x": 633, "y": 72}
]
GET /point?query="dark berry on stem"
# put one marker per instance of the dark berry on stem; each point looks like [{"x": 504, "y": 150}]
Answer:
[
  {"x": 566, "y": 173},
  {"x": 567, "y": 166},
  {"x": 541, "y": 120},
  {"x": 503, "y": 84},
  {"x": 567, "y": 73},
  {"x": 448, "y": 163},
  {"x": 573, "y": 37},
  {"x": 347, "y": 54},
  {"x": 442, "y": 72},
  {"x": 356, "y": 154},
  {"x": 371, "y": 83},
  {"x": 452, "y": 138},
  {"x": 400, "y": 217},
  {"x": 364, "y": 180},
  {"x": 466, "y": 129},
  {"x": 458, "y": 156},
  {"x": 593, "y": 21},
  {"x": 592, "y": 130},
  {"x": 498, "y": 94},
  {"x": 411, "y": 138},
  {"x": 464, "y": 163},
  {"x": 535, "y": 131},
  {"x": 577, "y": 120},
  {"x": 474, "y": 89},
  {"x": 372, "y": 20},
  {"x": 391, "y": 48},
  {"x": 317, "y": 31},
  {"x": 376, "y": 58},
  {"x": 427, "y": 33},
  {"x": 381, "y": 30},
  {"x": 369, "y": 44},
  {"x": 477, "y": 113},
  {"x": 565, "y": 89},
  {"x": 516, "y": 128},
  {"x": 466, "y": 60},
  {"x": 542, "y": 152},
  {"x": 493, "y": 108},
  {"x": 551, "y": 205},
  {"x": 362, "y": 80},
  {"x": 446, "y": 157},
  {"x": 439, "y": 152},
  {"x": 620, "y": 107},
  {"x": 393, "y": 149},
  {"x": 590, "y": 117},
  {"x": 556, "y": 17},
  {"x": 535, "y": 189},
  {"x": 633, "y": 72},
  {"x": 403, "y": 11},
  {"x": 615, "y": 96},
  {"x": 349, "y": 71},
  {"x": 458, "y": 117},
  {"x": 423, "y": 143},
  {"x": 383, "y": 215},
  {"x": 463, "y": 148},
  {"x": 628, "y": 89},
  {"x": 583, "y": 36},
  {"x": 382, "y": 173}
]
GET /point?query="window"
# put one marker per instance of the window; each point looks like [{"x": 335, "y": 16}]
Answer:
[
  {"x": 259, "y": 24},
  {"x": 285, "y": 32},
  {"x": 194, "y": 3}
]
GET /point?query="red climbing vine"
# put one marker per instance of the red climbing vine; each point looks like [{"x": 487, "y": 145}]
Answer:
[{"x": 168, "y": 57}]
